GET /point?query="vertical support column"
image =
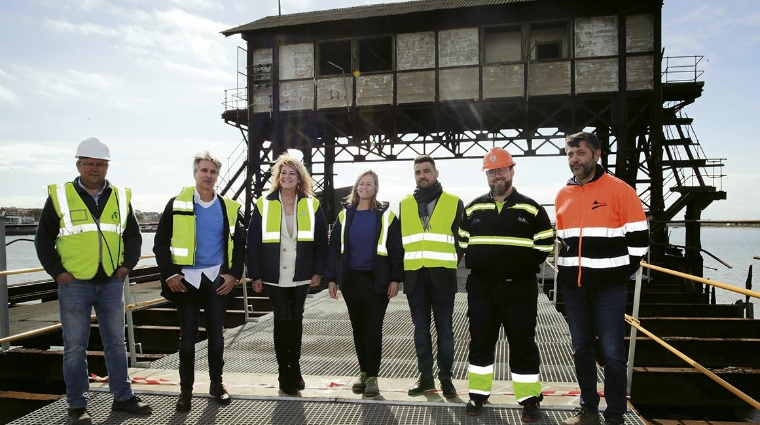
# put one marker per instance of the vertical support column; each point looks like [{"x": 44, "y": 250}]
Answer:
[
  {"x": 622, "y": 122},
  {"x": 693, "y": 255},
  {"x": 328, "y": 202},
  {"x": 253, "y": 169},
  {"x": 5, "y": 321}
]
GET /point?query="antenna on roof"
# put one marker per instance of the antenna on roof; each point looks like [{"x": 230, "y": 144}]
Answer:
[{"x": 279, "y": 8}]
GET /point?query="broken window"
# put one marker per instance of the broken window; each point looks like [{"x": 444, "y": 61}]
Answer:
[
  {"x": 334, "y": 57},
  {"x": 375, "y": 54}
]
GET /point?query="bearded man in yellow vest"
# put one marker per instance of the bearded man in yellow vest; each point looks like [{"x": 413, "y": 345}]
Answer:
[
  {"x": 88, "y": 241},
  {"x": 200, "y": 252},
  {"x": 429, "y": 228}
]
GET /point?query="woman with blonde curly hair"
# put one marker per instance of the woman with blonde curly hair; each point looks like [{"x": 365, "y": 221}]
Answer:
[{"x": 287, "y": 251}]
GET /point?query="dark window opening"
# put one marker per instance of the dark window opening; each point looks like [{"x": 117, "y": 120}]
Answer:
[
  {"x": 549, "y": 50},
  {"x": 549, "y": 40},
  {"x": 334, "y": 57},
  {"x": 376, "y": 54}
]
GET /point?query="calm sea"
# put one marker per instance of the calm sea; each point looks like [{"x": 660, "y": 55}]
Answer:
[{"x": 734, "y": 245}]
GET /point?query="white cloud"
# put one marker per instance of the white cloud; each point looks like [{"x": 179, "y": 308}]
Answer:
[
  {"x": 198, "y": 4},
  {"x": 8, "y": 95},
  {"x": 86, "y": 28},
  {"x": 6, "y": 75}
]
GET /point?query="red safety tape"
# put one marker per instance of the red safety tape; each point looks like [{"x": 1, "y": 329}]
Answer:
[
  {"x": 139, "y": 380},
  {"x": 96, "y": 378}
]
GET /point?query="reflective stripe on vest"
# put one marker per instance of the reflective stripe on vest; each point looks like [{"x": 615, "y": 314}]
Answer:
[
  {"x": 271, "y": 219},
  {"x": 434, "y": 247},
  {"x": 79, "y": 242},
  {"x": 382, "y": 249},
  {"x": 183, "y": 227}
]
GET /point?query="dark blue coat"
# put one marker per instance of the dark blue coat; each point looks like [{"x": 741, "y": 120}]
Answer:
[{"x": 388, "y": 268}]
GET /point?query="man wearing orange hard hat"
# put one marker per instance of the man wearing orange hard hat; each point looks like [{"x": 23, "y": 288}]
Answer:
[{"x": 505, "y": 236}]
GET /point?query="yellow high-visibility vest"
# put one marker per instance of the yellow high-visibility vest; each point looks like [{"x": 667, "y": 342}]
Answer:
[
  {"x": 271, "y": 219},
  {"x": 183, "y": 227},
  {"x": 83, "y": 243},
  {"x": 429, "y": 248},
  {"x": 387, "y": 218}
]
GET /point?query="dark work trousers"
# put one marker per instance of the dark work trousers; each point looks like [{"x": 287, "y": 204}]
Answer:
[
  {"x": 366, "y": 309},
  {"x": 287, "y": 308},
  {"x": 512, "y": 304},
  {"x": 425, "y": 297},
  {"x": 188, "y": 306}
]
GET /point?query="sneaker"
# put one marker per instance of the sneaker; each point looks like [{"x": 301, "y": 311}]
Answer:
[
  {"x": 79, "y": 416},
  {"x": 359, "y": 386},
  {"x": 421, "y": 386},
  {"x": 185, "y": 401},
  {"x": 531, "y": 412},
  {"x": 132, "y": 405},
  {"x": 447, "y": 387},
  {"x": 474, "y": 407},
  {"x": 372, "y": 389},
  {"x": 220, "y": 394},
  {"x": 583, "y": 417}
]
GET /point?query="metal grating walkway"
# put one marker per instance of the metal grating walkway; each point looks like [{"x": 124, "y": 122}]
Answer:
[{"x": 328, "y": 363}]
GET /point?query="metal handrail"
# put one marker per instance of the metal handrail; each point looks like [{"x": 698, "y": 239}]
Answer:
[
  {"x": 739, "y": 393},
  {"x": 633, "y": 320}
]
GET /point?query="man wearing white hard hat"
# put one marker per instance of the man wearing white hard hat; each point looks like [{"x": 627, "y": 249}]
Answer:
[{"x": 88, "y": 240}]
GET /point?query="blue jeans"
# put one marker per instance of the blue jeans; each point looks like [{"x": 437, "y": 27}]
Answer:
[
  {"x": 423, "y": 298},
  {"x": 189, "y": 305},
  {"x": 76, "y": 300},
  {"x": 599, "y": 313}
]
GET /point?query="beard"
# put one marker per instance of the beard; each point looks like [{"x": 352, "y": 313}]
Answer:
[
  {"x": 500, "y": 187},
  {"x": 584, "y": 171}
]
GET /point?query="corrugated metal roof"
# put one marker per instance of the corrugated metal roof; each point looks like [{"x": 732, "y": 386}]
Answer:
[{"x": 360, "y": 12}]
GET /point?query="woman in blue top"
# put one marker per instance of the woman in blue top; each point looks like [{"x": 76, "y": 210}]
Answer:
[{"x": 366, "y": 260}]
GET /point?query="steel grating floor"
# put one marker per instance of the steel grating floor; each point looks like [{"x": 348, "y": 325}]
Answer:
[
  {"x": 281, "y": 411},
  {"x": 328, "y": 353}
]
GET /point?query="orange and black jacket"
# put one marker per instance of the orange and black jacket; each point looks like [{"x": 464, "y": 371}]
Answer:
[{"x": 602, "y": 230}]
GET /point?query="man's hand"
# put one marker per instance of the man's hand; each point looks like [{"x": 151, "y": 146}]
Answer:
[
  {"x": 332, "y": 288},
  {"x": 64, "y": 277},
  {"x": 392, "y": 290},
  {"x": 257, "y": 286},
  {"x": 122, "y": 273},
  {"x": 175, "y": 283},
  {"x": 226, "y": 287},
  {"x": 315, "y": 281}
]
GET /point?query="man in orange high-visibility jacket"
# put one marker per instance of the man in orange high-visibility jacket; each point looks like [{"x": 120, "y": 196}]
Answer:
[{"x": 604, "y": 234}]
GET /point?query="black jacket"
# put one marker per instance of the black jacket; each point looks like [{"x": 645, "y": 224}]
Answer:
[
  {"x": 163, "y": 240},
  {"x": 388, "y": 268},
  {"x": 47, "y": 232},
  {"x": 264, "y": 258}
]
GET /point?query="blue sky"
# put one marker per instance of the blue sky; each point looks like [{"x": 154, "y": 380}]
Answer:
[{"x": 148, "y": 78}]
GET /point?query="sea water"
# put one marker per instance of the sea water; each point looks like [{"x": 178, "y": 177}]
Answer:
[{"x": 733, "y": 245}]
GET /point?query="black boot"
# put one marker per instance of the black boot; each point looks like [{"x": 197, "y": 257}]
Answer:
[
  {"x": 281, "y": 350},
  {"x": 295, "y": 329}
]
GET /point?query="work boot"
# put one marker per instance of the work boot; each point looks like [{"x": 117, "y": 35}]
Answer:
[
  {"x": 220, "y": 394},
  {"x": 359, "y": 386},
  {"x": 79, "y": 416},
  {"x": 583, "y": 417},
  {"x": 474, "y": 407},
  {"x": 132, "y": 405},
  {"x": 447, "y": 387},
  {"x": 531, "y": 412},
  {"x": 185, "y": 400},
  {"x": 422, "y": 385},
  {"x": 610, "y": 421},
  {"x": 372, "y": 389}
]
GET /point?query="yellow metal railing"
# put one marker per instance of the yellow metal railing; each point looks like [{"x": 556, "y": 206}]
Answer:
[{"x": 636, "y": 325}]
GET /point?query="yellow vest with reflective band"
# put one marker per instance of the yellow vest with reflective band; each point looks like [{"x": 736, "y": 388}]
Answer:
[
  {"x": 271, "y": 218},
  {"x": 79, "y": 242},
  {"x": 434, "y": 247},
  {"x": 382, "y": 249},
  {"x": 183, "y": 228}
]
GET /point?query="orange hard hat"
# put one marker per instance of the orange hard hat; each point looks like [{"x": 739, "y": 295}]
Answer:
[{"x": 497, "y": 158}]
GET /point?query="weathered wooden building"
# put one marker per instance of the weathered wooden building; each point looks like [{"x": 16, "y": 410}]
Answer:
[{"x": 453, "y": 78}]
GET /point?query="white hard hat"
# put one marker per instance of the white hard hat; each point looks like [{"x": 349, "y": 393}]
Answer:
[{"x": 93, "y": 148}]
